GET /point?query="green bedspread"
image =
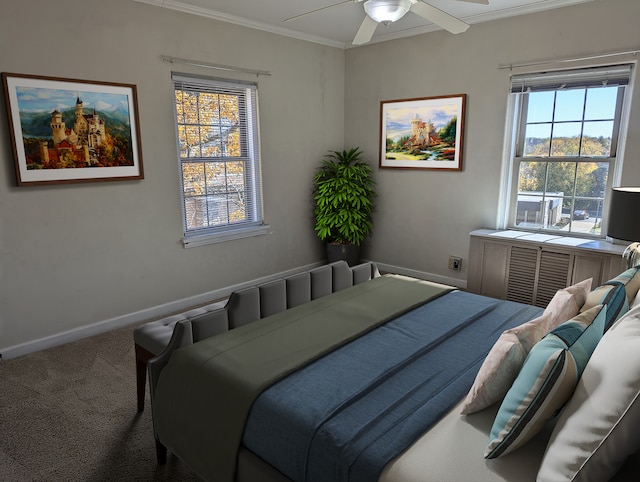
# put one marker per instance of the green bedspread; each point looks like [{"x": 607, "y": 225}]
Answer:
[{"x": 205, "y": 392}]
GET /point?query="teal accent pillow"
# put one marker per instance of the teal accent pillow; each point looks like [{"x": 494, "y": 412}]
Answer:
[
  {"x": 617, "y": 293},
  {"x": 631, "y": 281},
  {"x": 546, "y": 381}
]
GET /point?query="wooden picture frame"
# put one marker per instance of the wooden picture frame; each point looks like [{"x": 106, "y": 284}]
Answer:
[
  {"x": 68, "y": 130},
  {"x": 422, "y": 133}
]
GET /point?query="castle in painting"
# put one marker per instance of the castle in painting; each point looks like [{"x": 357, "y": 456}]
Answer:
[
  {"x": 78, "y": 146},
  {"x": 423, "y": 134}
]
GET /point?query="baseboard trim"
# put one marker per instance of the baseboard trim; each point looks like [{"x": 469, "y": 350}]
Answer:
[
  {"x": 184, "y": 304},
  {"x": 141, "y": 316}
]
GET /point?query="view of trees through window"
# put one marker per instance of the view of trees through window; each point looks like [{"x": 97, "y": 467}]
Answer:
[
  {"x": 210, "y": 140},
  {"x": 565, "y": 155}
]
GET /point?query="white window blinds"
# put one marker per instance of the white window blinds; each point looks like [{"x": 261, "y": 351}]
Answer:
[{"x": 219, "y": 156}]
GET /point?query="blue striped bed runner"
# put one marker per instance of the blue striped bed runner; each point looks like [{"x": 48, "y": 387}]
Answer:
[{"x": 346, "y": 415}]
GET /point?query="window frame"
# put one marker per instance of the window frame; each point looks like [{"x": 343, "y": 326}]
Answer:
[
  {"x": 516, "y": 122},
  {"x": 254, "y": 225}
]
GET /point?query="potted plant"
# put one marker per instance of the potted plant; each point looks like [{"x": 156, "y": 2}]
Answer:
[{"x": 343, "y": 194}]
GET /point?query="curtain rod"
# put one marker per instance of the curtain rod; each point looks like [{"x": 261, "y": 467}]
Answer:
[
  {"x": 576, "y": 59},
  {"x": 228, "y": 68}
]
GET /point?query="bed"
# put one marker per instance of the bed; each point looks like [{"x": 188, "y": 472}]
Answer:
[{"x": 364, "y": 384}]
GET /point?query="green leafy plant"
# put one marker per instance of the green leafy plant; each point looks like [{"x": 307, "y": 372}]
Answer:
[{"x": 343, "y": 194}]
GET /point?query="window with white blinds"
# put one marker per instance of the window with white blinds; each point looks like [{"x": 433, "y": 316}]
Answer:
[
  {"x": 219, "y": 159},
  {"x": 564, "y": 157}
]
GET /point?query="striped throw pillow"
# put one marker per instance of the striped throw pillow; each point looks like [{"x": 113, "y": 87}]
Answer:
[
  {"x": 617, "y": 293},
  {"x": 546, "y": 382}
]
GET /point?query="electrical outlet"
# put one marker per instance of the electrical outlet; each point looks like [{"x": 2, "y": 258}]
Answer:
[{"x": 455, "y": 263}]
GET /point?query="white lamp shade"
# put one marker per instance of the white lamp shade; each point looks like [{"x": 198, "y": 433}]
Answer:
[{"x": 386, "y": 11}]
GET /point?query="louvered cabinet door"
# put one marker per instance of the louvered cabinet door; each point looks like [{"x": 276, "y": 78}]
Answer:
[
  {"x": 521, "y": 276},
  {"x": 535, "y": 275},
  {"x": 553, "y": 275}
]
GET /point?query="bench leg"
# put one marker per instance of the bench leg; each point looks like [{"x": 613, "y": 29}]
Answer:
[
  {"x": 161, "y": 453},
  {"x": 142, "y": 357}
]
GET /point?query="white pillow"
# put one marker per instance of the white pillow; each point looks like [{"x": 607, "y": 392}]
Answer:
[
  {"x": 598, "y": 428},
  {"x": 503, "y": 363},
  {"x": 567, "y": 302}
]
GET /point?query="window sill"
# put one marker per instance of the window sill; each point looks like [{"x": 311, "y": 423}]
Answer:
[
  {"x": 212, "y": 238},
  {"x": 558, "y": 233}
]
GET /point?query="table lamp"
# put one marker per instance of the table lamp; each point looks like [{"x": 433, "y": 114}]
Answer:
[{"x": 624, "y": 221}]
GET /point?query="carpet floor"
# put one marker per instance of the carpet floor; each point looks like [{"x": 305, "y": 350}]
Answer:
[{"x": 69, "y": 413}]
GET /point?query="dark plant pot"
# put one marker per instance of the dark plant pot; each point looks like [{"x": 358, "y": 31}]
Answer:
[{"x": 348, "y": 252}]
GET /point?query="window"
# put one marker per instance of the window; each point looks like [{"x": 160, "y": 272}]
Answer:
[
  {"x": 218, "y": 155},
  {"x": 564, "y": 157}
]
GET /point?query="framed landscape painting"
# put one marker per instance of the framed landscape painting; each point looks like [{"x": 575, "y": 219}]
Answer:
[
  {"x": 424, "y": 133},
  {"x": 66, "y": 130}
]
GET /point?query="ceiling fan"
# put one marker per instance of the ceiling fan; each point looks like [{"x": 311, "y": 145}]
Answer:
[{"x": 389, "y": 11}]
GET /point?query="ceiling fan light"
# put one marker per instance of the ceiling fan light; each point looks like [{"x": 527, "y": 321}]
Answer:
[{"x": 386, "y": 11}]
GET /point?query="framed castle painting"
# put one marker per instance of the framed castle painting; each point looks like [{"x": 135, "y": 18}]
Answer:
[
  {"x": 67, "y": 130},
  {"x": 424, "y": 133}
]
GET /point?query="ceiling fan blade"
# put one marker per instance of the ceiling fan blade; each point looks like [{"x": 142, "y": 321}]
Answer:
[
  {"x": 317, "y": 10},
  {"x": 365, "y": 32},
  {"x": 437, "y": 16},
  {"x": 483, "y": 2}
]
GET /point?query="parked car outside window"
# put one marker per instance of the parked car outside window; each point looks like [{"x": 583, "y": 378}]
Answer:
[{"x": 580, "y": 214}]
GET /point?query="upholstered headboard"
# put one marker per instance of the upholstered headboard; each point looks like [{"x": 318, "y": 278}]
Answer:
[{"x": 256, "y": 302}]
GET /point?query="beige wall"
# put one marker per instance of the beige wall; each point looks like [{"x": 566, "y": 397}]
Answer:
[
  {"x": 425, "y": 216},
  {"x": 75, "y": 255},
  {"x": 86, "y": 257}
]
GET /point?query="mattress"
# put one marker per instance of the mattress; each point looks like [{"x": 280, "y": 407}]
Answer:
[{"x": 451, "y": 451}]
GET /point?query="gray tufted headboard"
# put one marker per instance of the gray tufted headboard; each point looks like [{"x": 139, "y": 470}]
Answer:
[{"x": 256, "y": 302}]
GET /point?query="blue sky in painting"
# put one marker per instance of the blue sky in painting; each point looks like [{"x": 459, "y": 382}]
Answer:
[
  {"x": 438, "y": 111},
  {"x": 47, "y": 100}
]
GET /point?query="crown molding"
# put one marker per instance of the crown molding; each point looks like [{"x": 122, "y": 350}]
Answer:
[
  {"x": 533, "y": 7},
  {"x": 241, "y": 21}
]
